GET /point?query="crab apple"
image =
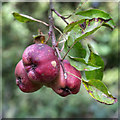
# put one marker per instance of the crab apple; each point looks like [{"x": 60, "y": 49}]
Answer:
[
  {"x": 70, "y": 85},
  {"x": 41, "y": 63},
  {"x": 22, "y": 80}
]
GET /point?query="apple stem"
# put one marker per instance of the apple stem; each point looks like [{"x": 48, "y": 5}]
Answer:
[{"x": 52, "y": 35}]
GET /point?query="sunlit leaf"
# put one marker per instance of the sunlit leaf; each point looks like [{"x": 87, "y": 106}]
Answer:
[
  {"x": 81, "y": 65},
  {"x": 95, "y": 13},
  {"x": 72, "y": 24},
  {"x": 99, "y": 92},
  {"x": 82, "y": 30},
  {"x": 23, "y": 18}
]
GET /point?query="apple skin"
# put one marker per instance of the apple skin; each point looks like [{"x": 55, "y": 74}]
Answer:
[
  {"x": 41, "y": 63},
  {"x": 68, "y": 86},
  {"x": 22, "y": 80}
]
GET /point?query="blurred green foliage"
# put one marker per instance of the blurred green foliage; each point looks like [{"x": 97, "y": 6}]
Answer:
[{"x": 45, "y": 103}]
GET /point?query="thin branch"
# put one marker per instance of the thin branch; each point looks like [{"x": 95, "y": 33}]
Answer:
[
  {"x": 69, "y": 50},
  {"x": 58, "y": 30},
  {"x": 74, "y": 76},
  {"x": 59, "y": 15},
  {"x": 47, "y": 39},
  {"x": 76, "y": 10},
  {"x": 52, "y": 34},
  {"x": 41, "y": 21},
  {"x": 46, "y": 24}
]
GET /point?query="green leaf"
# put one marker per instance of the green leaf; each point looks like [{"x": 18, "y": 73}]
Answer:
[
  {"x": 23, "y": 18},
  {"x": 95, "y": 13},
  {"x": 82, "y": 30},
  {"x": 95, "y": 60},
  {"x": 77, "y": 58},
  {"x": 94, "y": 74},
  {"x": 71, "y": 25},
  {"x": 81, "y": 65},
  {"x": 99, "y": 91},
  {"x": 76, "y": 51}
]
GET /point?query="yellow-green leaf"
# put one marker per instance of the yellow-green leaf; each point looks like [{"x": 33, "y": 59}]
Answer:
[{"x": 99, "y": 91}]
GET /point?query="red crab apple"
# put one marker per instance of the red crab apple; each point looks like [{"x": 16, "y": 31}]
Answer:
[
  {"x": 23, "y": 81},
  {"x": 68, "y": 86},
  {"x": 41, "y": 63}
]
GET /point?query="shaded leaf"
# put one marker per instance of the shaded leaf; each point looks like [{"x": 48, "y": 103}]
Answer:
[
  {"x": 95, "y": 60},
  {"x": 94, "y": 74},
  {"x": 77, "y": 58},
  {"x": 95, "y": 13},
  {"x": 76, "y": 51},
  {"x": 99, "y": 92}
]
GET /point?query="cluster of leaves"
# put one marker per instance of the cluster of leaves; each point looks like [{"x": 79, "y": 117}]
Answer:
[{"x": 81, "y": 55}]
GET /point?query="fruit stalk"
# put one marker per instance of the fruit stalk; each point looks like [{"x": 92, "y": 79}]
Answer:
[{"x": 52, "y": 35}]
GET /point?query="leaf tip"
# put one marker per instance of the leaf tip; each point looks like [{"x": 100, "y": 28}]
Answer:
[
  {"x": 115, "y": 100},
  {"x": 13, "y": 13}
]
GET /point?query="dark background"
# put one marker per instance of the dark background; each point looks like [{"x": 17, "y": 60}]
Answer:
[{"x": 45, "y": 103}]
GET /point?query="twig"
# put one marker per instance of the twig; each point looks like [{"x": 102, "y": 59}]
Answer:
[
  {"x": 69, "y": 50},
  {"x": 58, "y": 30},
  {"x": 46, "y": 24},
  {"x": 76, "y": 10},
  {"x": 59, "y": 15},
  {"x": 74, "y": 76},
  {"x": 52, "y": 35},
  {"x": 47, "y": 39}
]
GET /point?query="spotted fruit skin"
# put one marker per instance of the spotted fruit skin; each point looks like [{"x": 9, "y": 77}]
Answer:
[
  {"x": 68, "y": 86},
  {"x": 41, "y": 63},
  {"x": 22, "y": 80}
]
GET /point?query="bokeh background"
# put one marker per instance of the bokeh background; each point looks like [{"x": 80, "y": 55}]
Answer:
[{"x": 45, "y": 103}]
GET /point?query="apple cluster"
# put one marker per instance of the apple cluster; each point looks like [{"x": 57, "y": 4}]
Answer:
[{"x": 40, "y": 66}]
